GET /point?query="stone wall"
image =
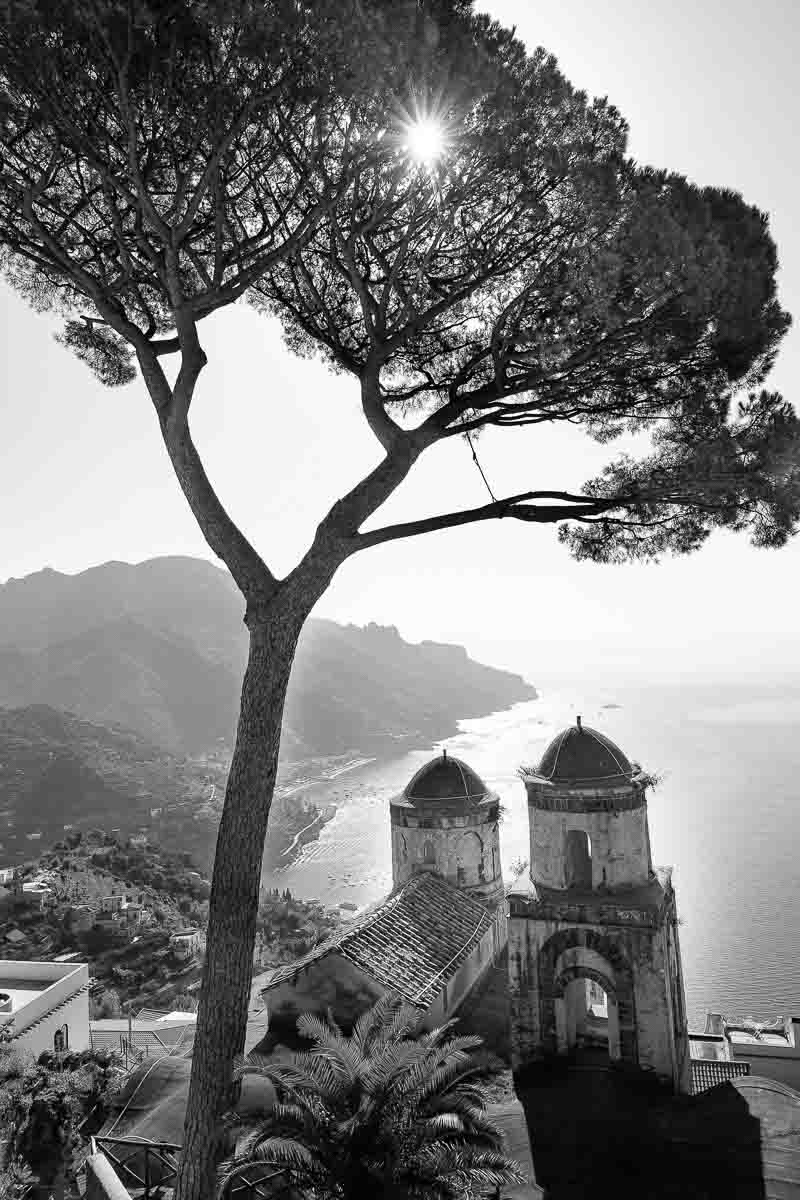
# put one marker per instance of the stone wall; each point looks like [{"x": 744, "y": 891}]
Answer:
[
  {"x": 469, "y": 974},
  {"x": 464, "y": 848},
  {"x": 631, "y": 964},
  {"x": 620, "y": 846}
]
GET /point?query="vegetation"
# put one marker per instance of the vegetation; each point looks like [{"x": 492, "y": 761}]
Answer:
[
  {"x": 287, "y": 927},
  {"x": 443, "y": 217},
  {"x": 43, "y": 1107},
  {"x": 388, "y": 1111},
  {"x": 133, "y": 964},
  {"x": 16, "y": 1180}
]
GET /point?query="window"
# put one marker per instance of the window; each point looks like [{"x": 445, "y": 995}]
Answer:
[
  {"x": 429, "y": 852},
  {"x": 578, "y": 859}
]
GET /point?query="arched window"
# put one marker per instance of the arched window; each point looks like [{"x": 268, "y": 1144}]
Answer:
[
  {"x": 61, "y": 1039},
  {"x": 578, "y": 859}
]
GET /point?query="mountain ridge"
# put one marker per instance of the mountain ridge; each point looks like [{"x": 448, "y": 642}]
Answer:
[{"x": 160, "y": 647}]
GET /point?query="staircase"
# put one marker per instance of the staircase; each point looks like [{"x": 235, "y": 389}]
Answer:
[{"x": 46, "y": 1015}]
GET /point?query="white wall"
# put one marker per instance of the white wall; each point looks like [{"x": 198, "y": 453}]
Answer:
[
  {"x": 74, "y": 1014},
  {"x": 64, "y": 1000}
]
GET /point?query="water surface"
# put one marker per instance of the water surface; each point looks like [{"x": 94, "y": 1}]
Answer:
[{"x": 725, "y": 815}]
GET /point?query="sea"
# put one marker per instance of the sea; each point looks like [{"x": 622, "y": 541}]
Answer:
[{"x": 725, "y": 815}]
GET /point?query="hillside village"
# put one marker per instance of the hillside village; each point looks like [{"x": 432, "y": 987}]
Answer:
[{"x": 137, "y": 915}]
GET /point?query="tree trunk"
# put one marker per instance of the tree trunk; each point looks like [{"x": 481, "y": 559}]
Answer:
[{"x": 224, "y": 995}]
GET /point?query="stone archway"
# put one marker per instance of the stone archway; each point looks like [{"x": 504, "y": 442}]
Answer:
[
  {"x": 584, "y": 953},
  {"x": 573, "y": 1018}
]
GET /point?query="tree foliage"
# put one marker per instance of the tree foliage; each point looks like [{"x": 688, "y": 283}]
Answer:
[
  {"x": 536, "y": 275},
  {"x": 159, "y": 161},
  {"x": 533, "y": 274},
  {"x": 43, "y": 1103},
  {"x": 389, "y": 1110}
]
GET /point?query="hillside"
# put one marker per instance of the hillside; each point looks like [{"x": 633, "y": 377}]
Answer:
[
  {"x": 159, "y": 648},
  {"x": 57, "y": 771},
  {"x": 59, "y": 775},
  {"x": 127, "y": 941}
]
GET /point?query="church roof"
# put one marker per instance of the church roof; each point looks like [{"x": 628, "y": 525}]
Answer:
[
  {"x": 582, "y": 755},
  {"x": 446, "y": 778},
  {"x": 411, "y": 943}
]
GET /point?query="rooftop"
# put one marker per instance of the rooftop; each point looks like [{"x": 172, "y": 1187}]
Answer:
[
  {"x": 580, "y": 755},
  {"x": 446, "y": 778},
  {"x": 412, "y": 942},
  {"x": 20, "y": 991}
]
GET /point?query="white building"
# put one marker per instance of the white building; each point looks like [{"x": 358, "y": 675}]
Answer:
[
  {"x": 188, "y": 942},
  {"x": 45, "y": 1005},
  {"x": 37, "y": 892}
]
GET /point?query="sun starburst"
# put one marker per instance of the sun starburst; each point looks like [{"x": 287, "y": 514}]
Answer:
[{"x": 425, "y": 140}]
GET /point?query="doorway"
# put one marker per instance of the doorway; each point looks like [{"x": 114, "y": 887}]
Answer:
[{"x": 587, "y": 1020}]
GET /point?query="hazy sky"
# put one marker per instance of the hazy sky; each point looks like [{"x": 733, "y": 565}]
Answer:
[{"x": 708, "y": 89}]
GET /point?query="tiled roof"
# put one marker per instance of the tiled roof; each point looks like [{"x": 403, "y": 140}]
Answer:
[
  {"x": 708, "y": 1072},
  {"x": 110, "y": 1032},
  {"x": 413, "y": 942}
]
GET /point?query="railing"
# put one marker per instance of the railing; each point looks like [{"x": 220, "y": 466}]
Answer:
[{"x": 146, "y": 1167}]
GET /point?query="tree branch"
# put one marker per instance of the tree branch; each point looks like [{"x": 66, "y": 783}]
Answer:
[
  {"x": 250, "y": 572},
  {"x": 385, "y": 429},
  {"x": 573, "y": 508}
]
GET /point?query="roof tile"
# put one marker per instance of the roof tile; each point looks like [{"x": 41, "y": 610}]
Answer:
[{"x": 412, "y": 942}]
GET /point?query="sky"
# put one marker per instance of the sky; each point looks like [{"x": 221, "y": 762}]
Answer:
[{"x": 709, "y": 90}]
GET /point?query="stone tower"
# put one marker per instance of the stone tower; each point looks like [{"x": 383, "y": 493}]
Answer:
[
  {"x": 446, "y": 820},
  {"x": 594, "y": 956}
]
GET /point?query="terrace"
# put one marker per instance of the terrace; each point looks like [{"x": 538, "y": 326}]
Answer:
[{"x": 37, "y": 995}]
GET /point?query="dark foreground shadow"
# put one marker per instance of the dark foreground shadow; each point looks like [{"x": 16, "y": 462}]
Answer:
[{"x": 601, "y": 1132}]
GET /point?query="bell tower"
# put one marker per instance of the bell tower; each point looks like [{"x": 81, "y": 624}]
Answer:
[
  {"x": 594, "y": 955},
  {"x": 446, "y": 821}
]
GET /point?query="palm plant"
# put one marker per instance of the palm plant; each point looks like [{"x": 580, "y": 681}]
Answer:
[{"x": 388, "y": 1111}]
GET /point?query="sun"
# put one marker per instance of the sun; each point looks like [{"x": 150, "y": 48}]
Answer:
[{"x": 425, "y": 140}]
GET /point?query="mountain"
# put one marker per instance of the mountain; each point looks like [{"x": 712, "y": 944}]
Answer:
[
  {"x": 159, "y": 648},
  {"x": 367, "y": 688},
  {"x": 122, "y": 672},
  {"x": 57, "y": 770}
]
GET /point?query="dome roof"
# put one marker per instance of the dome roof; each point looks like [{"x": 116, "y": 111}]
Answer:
[
  {"x": 582, "y": 755},
  {"x": 446, "y": 778}
]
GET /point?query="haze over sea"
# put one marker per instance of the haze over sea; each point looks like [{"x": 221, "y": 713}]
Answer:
[{"x": 725, "y": 816}]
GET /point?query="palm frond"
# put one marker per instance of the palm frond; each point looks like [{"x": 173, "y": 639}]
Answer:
[
  {"x": 282, "y": 1153},
  {"x": 374, "y": 1019},
  {"x": 307, "y": 1072},
  {"x": 335, "y": 1028},
  {"x": 434, "y": 1036},
  {"x": 390, "y": 1104}
]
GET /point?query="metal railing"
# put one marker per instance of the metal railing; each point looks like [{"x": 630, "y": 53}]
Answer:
[{"x": 144, "y": 1167}]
